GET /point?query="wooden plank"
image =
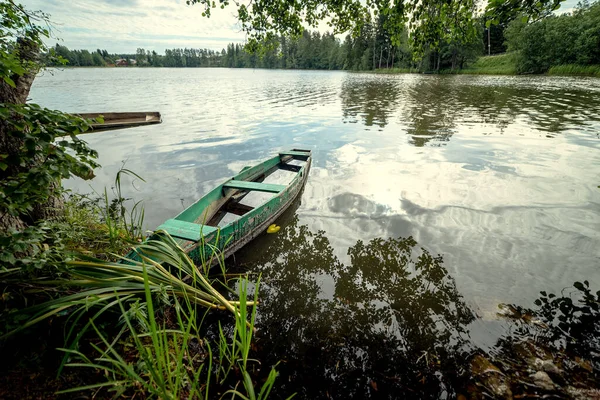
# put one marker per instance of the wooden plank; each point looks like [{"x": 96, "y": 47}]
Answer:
[
  {"x": 291, "y": 168},
  {"x": 120, "y": 120},
  {"x": 186, "y": 230},
  {"x": 295, "y": 154},
  {"x": 238, "y": 208},
  {"x": 258, "y": 187}
]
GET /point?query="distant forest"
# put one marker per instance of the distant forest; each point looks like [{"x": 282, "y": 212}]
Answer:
[
  {"x": 372, "y": 49},
  {"x": 571, "y": 38}
]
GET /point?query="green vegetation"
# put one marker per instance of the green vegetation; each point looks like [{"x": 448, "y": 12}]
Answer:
[
  {"x": 568, "y": 39},
  {"x": 63, "y": 282},
  {"x": 142, "y": 319},
  {"x": 371, "y": 49},
  {"x": 559, "y": 45},
  {"x": 582, "y": 70},
  {"x": 501, "y": 64}
]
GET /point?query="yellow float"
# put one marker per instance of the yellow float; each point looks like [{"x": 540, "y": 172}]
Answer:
[{"x": 273, "y": 228}]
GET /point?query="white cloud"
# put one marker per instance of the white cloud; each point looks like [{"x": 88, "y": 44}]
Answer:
[{"x": 124, "y": 25}]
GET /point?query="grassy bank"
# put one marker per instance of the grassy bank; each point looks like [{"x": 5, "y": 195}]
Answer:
[
  {"x": 575, "y": 70},
  {"x": 504, "y": 64},
  {"x": 501, "y": 64}
]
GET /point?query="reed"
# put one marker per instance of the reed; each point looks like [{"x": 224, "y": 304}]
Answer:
[
  {"x": 169, "y": 368},
  {"x": 577, "y": 70},
  {"x": 103, "y": 284}
]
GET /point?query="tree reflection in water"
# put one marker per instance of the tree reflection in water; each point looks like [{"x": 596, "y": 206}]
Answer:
[
  {"x": 431, "y": 109},
  {"x": 392, "y": 325}
]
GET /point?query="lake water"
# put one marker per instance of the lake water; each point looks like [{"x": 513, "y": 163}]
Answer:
[{"x": 498, "y": 175}]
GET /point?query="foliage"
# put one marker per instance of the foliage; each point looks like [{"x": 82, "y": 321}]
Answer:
[
  {"x": 36, "y": 128},
  {"x": 158, "y": 349},
  {"x": 168, "y": 357},
  {"x": 17, "y": 22},
  {"x": 508, "y": 10},
  {"x": 103, "y": 282},
  {"x": 119, "y": 220},
  {"x": 369, "y": 50},
  {"x": 81, "y": 58},
  {"x": 557, "y": 40},
  {"x": 164, "y": 365},
  {"x": 31, "y": 162},
  {"x": 428, "y": 21}
]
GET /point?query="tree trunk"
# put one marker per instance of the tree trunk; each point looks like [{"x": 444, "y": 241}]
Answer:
[
  {"x": 393, "y": 57},
  {"x": 374, "y": 54},
  {"x": 453, "y": 59},
  {"x": 380, "y": 57},
  {"x": 387, "y": 60},
  {"x": 28, "y": 53}
]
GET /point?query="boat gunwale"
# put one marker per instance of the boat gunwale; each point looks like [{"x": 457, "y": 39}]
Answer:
[{"x": 298, "y": 182}]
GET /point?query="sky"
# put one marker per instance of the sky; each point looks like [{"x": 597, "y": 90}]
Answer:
[{"x": 122, "y": 26}]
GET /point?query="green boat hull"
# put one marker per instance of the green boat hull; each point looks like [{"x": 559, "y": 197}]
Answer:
[{"x": 195, "y": 229}]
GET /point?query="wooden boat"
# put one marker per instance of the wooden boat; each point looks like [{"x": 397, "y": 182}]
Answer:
[
  {"x": 224, "y": 219},
  {"x": 120, "y": 120}
]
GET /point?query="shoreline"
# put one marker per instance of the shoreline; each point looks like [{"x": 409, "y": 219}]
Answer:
[{"x": 591, "y": 71}]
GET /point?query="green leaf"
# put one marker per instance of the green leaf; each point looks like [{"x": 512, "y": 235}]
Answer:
[{"x": 10, "y": 82}]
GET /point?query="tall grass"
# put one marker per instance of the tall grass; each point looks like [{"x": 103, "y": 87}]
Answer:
[
  {"x": 171, "y": 273},
  {"x": 239, "y": 350},
  {"x": 500, "y": 64},
  {"x": 121, "y": 222},
  {"x": 169, "y": 367},
  {"x": 578, "y": 70}
]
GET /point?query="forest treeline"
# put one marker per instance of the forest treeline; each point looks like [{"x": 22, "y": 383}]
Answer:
[{"x": 570, "y": 38}]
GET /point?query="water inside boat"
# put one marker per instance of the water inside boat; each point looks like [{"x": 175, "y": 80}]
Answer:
[{"x": 246, "y": 200}]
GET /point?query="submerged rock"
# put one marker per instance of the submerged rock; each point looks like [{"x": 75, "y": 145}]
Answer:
[
  {"x": 490, "y": 378},
  {"x": 543, "y": 381}
]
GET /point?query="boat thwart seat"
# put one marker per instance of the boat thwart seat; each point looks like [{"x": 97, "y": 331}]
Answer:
[
  {"x": 256, "y": 186},
  {"x": 296, "y": 154},
  {"x": 186, "y": 230}
]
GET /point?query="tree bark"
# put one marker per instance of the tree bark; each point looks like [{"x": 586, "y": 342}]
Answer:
[
  {"x": 387, "y": 60},
  {"x": 28, "y": 53}
]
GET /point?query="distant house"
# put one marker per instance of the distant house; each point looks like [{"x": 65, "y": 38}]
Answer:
[{"x": 122, "y": 62}]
